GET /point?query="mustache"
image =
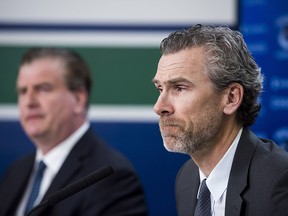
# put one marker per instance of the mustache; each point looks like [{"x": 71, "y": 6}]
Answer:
[{"x": 169, "y": 122}]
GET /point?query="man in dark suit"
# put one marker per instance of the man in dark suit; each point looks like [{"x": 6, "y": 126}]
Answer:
[
  {"x": 53, "y": 88},
  {"x": 209, "y": 86}
]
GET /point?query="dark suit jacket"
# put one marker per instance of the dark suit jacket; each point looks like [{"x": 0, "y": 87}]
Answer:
[
  {"x": 258, "y": 182},
  {"x": 118, "y": 194}
]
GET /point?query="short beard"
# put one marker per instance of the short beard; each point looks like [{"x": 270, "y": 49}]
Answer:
[{"x": 193, "y": 140}]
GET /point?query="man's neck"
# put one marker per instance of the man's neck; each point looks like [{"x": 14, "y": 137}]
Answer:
[{"x": 208, "y": 160}]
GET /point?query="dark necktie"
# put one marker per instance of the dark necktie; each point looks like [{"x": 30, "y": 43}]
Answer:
[
  {"x": 36, "y": 186},
  {"x": 203, "y": 207}
]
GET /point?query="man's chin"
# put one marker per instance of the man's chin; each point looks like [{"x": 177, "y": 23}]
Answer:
[
  {"x": 171, "y": 147},
  {"x": 34, "y": 134}
]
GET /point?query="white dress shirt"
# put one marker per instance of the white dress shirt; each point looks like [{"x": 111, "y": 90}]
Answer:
[
  {"x": 54, "y": 159},
  {"x": 218, "y": 179}
]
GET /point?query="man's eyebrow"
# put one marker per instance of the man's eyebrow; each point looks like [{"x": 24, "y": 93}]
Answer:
[
  {"x": 178, "y": 80},
  {"x": 173, "y": 81}
]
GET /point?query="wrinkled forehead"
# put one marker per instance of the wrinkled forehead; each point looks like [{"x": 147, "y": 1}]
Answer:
[{"x": 186, "y": 63}]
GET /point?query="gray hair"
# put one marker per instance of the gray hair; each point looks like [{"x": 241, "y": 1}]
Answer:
[{"x": 227, "y": 61}]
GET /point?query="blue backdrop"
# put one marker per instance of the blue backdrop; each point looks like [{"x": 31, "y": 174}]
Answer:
[{"x": 264, "y": 24}]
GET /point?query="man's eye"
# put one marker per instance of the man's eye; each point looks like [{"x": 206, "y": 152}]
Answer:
[
  {"x": 21, "y": 91},
  {"x": 180, "y": 88},
  {"x": 45, "y": 88}
]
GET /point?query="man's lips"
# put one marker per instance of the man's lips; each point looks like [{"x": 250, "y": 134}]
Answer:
[
  {"x": 33, "y": 117},
  {"x": 168, "y": 124},
  {"x": 169, "y": 128}
]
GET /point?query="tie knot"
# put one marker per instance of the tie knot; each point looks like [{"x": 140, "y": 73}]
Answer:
[
  {"x": 41, "y": 167},
  {"x": 204, "y": 190}
]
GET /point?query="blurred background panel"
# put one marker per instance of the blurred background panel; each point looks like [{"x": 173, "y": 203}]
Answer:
[{"x": 120, "y": 41}]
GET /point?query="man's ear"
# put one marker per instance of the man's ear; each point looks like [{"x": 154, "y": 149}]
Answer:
[
  {"x": 81, "y": 98},
  {"x": 233, "y": 98}
]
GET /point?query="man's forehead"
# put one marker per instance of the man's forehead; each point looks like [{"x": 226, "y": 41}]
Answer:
[
  {"x": 174, "y": 62},
  {"x": 174, "y": 73},
  {"x": 184, "y": 64},
  {"x": 170, "y": 78}
]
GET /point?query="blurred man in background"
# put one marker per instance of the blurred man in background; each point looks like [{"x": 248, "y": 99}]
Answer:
[{"x": 53, "y": 88}]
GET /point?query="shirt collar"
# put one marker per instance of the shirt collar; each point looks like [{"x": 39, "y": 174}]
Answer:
[
  {"x": 218, "y": 179},
  {"x": 56, "y": 157}
]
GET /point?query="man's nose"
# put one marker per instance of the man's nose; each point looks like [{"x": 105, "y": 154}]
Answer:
[
  {"x": 30, "y": 98},
  {"x": 163, "y": 105}
]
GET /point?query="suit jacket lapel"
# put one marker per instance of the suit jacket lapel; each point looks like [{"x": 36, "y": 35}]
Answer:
[
  {"x": 187, "y": 184},
  {"x": 239, "y": 173},
  {"x": 66, "y": 172},
  {"x": 194, "y": 190},
  {"x": 72, "y": 165}
]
